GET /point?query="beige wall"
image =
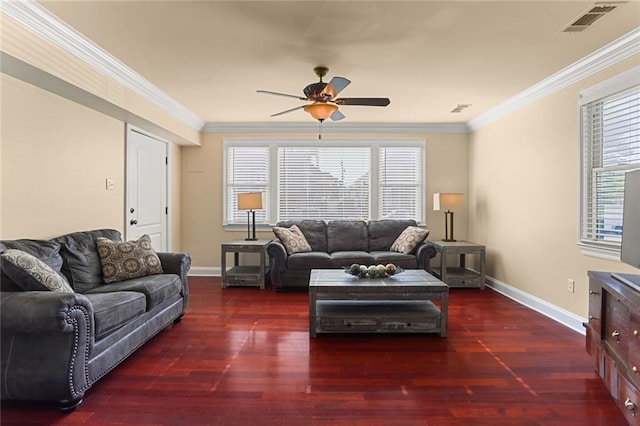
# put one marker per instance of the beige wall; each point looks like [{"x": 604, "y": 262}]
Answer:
[
  {"x": 524, "y": 182},
  {"x": 202, "y": 188},
  {"x": 55, "y": 157}
]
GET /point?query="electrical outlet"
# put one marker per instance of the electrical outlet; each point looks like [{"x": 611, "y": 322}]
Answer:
[
  {"x": 571, "y": 286},
  {"x": 110, "y": 184}
]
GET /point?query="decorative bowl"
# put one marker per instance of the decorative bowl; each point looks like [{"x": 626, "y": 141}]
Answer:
[{"x": 369, "y": 273}]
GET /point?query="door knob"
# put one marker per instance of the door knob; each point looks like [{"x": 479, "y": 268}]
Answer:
[
  {"x": 131, "y": 210},
  {"x": 133, "y": 222}
]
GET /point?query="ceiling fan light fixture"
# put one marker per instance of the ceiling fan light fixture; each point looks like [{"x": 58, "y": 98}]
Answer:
[{"x": 320, "y": 111}]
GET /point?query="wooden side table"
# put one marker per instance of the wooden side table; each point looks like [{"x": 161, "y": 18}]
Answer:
[
  {"x": 459, "y": 276},
  {"x": 244, "y": 275}
]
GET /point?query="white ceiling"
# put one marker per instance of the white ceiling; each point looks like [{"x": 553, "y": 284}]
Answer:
[{"x": 426, "y": 56}]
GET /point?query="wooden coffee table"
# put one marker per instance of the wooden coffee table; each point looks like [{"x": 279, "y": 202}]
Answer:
[{"x": 402, "y": 303}]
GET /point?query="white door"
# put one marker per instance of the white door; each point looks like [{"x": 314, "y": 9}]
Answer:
[{"x": 147, "y": 184}]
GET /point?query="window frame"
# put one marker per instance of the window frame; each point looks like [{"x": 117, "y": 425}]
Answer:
[
  {"x": 274, "y": 144},
  {"x": 618, "y": 84}
]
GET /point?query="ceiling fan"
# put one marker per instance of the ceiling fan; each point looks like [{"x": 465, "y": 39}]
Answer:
[{"x": 323, "y": 97}]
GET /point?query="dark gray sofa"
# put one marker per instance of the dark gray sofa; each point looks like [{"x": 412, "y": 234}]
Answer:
[
  {"x": 54, "y": 346},
  {"x": 340, "y": 243}
]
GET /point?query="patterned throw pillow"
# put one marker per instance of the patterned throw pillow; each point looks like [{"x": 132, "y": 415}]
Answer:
[
  {"x": 31, "y": 273},
  {"x": 293, "y": 239},
  {"x": 124, "y": 260},
  {"x": 409, "y": 239}
]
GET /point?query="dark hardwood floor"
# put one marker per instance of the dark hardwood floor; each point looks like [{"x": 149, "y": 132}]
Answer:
[{"x": 242, "y": 356}]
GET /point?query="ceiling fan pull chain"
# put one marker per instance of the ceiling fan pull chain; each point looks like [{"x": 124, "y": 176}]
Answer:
[{"x": 319, "y": 130}]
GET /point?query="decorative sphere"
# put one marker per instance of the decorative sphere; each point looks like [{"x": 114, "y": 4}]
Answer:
[
  {"x": 373, "y": 271},
  {"x": 354, "y": 269},
  {"x": 390, "y": 268}
]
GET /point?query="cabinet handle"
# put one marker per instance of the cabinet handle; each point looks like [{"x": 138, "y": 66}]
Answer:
[
  {"x": 593, "y": 292},
  {"x": 634, "y": 369},
  {"x": 630, "y": 405},
  {"x": 591, "y": 317},
  {"x": 635, "y": 333},
  {"x": 616, "y": 335}
]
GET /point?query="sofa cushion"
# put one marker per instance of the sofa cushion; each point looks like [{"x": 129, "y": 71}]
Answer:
[
  {"x": 47, "y": 251},
  {"x": 31, "y": 273},
  {"x": 293, "y": 239},
  {"x": 347, "y": 235},
  {"x": 409, "y": 239},
  {"x": 310, "y": 260},
  {"x": 405, "y": 261},
  {"x": 155, "y": 288},
  {"x": 114, "y": 309},
  {"x": 347, "y": 258},
  {"x": 315, "y": 231},
  {"x": 382, "y": 233},
  {"x": 82, "y": 265},
  {"x": 124, "y": 260}
]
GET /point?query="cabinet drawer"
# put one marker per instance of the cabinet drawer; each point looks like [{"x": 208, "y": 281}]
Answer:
[
  {"x": 616, "y": 325},
  {"x": 628, "y": 400}
]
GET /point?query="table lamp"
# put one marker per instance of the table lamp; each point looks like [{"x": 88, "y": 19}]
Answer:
[
  {"x": 448, "y": 201},
  {"x": 250, "y": 201}
]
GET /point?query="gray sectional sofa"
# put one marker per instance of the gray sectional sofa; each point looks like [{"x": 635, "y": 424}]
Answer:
[
  {"x": 55, "y": 345},
  {"x": 339, "y": 243}
]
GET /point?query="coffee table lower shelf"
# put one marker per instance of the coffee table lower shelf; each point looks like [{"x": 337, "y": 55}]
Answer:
[{"x": 383, "y": 316}]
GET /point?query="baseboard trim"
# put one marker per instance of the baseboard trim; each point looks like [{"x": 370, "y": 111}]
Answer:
[
  {"x": 205, "y": 271},
  {"x": 547, "y": 309}
]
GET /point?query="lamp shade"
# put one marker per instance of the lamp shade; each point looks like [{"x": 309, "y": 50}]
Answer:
[
  {"x": 250, "y": 200},
  {"x": 448, "y": 201},
  {"x": 320, "y": 111}
]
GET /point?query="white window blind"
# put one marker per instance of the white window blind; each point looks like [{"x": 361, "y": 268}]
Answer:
[
  {"x": 400, "y": 182},
  {"x": 350, "y": 179},
  {"x": 610, "y": 147},
  {"x": 323, "y": 183},
  {"x": 247, "y": 170}
]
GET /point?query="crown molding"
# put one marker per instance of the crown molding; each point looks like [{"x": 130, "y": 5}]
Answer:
[
  {"x": 40, "y": 21},
  {"x": 616, "y": 51},
  {"x": 330, "y": 127}
]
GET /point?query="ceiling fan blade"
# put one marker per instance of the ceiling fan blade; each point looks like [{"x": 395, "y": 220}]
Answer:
[
  {"x": 287, "y": 111},
  {"x": 335, "y": 86},
  {"x": 363, "y": 101},
  {"x": 337, "y": 115},
  {"x": 268, "y": 92}
]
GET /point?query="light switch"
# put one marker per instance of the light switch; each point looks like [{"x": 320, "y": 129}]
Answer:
[{"x": 110, "y": 184}]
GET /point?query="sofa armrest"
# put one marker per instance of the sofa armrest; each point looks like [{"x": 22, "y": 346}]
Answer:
[
  {"x": 47, "y": 339},
  {"x": 277, "y": 261},
  {"x": 179, "y": 264},
  {"x": 424, "y": 253},
  {"x": 43, "y": 312}
]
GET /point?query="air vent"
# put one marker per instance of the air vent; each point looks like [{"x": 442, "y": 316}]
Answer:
[
  {"x": 586, "y": 19},
  {"x": 460, "y": 107}
]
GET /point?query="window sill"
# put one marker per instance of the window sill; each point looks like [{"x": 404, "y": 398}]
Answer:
[{"x": 607, "y": 253}]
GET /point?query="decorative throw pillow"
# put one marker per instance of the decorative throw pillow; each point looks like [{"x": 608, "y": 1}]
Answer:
[
  {"x": 293, "y": 239},
  {"x": 409, "y": 239},
  {"x": 31, "y": 273},
  {"x": 124, "y": 260}
]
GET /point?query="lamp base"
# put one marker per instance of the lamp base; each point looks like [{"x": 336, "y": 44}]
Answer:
[
  {"x": 251, "y": 239},
  {"x": 446, "y": 240}
]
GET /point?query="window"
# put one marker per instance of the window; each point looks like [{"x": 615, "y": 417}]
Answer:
[
  {"x": 327, "y": 180},
  {"x": 610, "y": 137}
]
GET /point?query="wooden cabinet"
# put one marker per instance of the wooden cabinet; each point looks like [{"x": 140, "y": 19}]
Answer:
[{"x": 613, "y": 339}]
